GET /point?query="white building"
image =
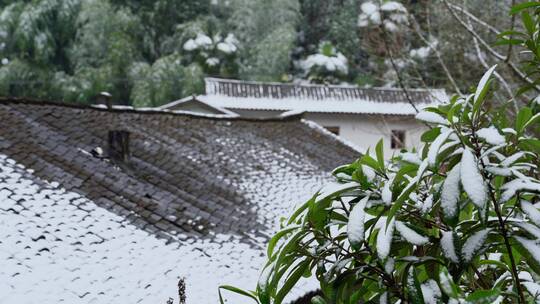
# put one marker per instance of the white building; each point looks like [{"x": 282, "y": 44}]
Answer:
[{"x": 361, "y": 116}]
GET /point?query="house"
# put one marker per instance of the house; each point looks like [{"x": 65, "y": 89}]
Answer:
[
  {"x": 109, "y": 205},
  {"x": 360, "y": 116}
]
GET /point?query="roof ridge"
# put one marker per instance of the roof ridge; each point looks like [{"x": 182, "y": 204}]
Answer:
[
  {"x": 313, "y": 85},
  {"x": 151, "y": 111}
]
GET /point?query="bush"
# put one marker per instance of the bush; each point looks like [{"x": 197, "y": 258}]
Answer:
[{"x": 453, "y": 223}]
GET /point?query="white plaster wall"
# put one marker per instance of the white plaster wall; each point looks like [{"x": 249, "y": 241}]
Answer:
[{"x": 366, "y": 130}]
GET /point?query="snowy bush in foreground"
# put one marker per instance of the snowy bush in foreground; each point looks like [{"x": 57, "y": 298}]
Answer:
[{"x": 456, "y": 222}]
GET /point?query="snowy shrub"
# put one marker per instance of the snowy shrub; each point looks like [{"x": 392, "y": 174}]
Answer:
[
  {"x": 456, "y": 222},
  {"x": 327, "y": 66},
  {"x": 216, "y": 55},
  {"x": 389, "y": 14}
]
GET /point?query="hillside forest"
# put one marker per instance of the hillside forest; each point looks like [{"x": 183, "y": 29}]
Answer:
[{"x": 146, "y": 53}]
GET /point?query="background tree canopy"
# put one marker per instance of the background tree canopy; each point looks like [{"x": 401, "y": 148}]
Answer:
[{"x": 139, "y": 52}]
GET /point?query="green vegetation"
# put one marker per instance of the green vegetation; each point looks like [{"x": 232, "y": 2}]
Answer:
[
  {"x": 136, "y": 50},
  {"x": 457, "y": 222}
]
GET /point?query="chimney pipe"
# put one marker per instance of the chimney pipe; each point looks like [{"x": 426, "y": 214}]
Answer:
[
  {"x": 105, "y": 98},
  {"x": 119, "y": 145}
]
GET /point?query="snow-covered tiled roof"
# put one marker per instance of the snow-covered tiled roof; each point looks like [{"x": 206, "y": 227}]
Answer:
[
  {"x": 235, "y": 94},
  {"x": 197, "y": 199}
]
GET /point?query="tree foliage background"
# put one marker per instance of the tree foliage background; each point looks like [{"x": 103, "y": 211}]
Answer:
[{"x": 72, "y": 49}]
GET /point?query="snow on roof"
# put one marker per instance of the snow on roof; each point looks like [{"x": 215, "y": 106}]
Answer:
[
  {"x": 235, "y": 94},
  {"x": 197, "y": 199}
]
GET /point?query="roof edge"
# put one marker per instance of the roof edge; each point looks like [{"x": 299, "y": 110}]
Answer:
[
  {"x": 149, "y": 111},
  {"x": 197, "y": 99},
  {"x": 320, "y": 129}
]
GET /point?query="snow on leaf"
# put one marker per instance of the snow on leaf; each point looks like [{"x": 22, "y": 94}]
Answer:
[
  {"x": 333, "y": 188},
  {"x": 389, "y": 265},
  {"x": 447, "y": 245},
  {"x": 516, "y": 185},
  {"x": 512, "y": 159},
  {"x": 499, "y": 171},
  {"x": 412, "y": 158},
  {"x": 391, "y": 6},
  {"x": 410, "y": 235},
  {"x": 431, "y": 292},
  {"x": 531, "y": 212},
  {"x": 355, "y": 226},
  {"x": 368, "y": 8},
  {"x": 483, "y": 82},
  {"x": 421, "y": 169},
  {"x": 428, "y": 203},
  {"x": 431, "y": 117},
  {"x": 384, "y": 237},
  {"x": 384, "y": 298},
  {"x": 530, "y": 228},
  {"x": 472, "y": 180},
  {"x": 491, "y": 135},
  {"x": 265, "y": 276},
  {"x": 450, "y": 192},
  {"x": 531, "y": 247},
  {"x": 533, "y": 288},
  {"x": 436, "y": 146},
  {"x": 369, "y": 173},
  {"x": 473, "y": 244},
  {"x": 386, "y": 193}
]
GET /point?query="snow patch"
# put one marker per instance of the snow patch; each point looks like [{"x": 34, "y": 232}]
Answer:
[
  {"x": 472, "y": 180},
  {"x": 355, "y": 226},
  {"x": 431, "y": 117},
  {"x": 450, "y": 192},
  {"x": 473, "y": 244},
  {"x": 410, "y": 235},
  {"x": 447, "y": 245},
  {"x": 491, "y": 135}
]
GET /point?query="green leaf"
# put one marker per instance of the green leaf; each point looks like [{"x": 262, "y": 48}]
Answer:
[
  {"x": 519, "y": 7},
  {"x": 531, "y": 261},
  {"x": 414, "y": 290},
  {"x": 501, "y": 265},
  {"x": 447, "y": 284},
  {"x": 400, "y": 200},
  {"x": 291, "y": 280},
  {"x": 530, "y": 144},
  {"x": 369, "y": 161},
  {"x": 504, "y": 41},
  {"x": 301, "y": 209},
  {"x": 533, "y": 120},
  {"x": 528, "y": 22},
  {"x": 318, "y": 300},
  {"x": 380, "y": 154},
  {"x": 430, "y": 135},
  {"x": 236, "y": 290},
  {"x": 522, "y": 118},
  {"x": 483, "y": 296},
  {"x": 273, "y": 241}
]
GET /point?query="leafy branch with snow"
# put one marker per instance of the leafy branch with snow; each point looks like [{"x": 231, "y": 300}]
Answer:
[
  {"x": 327, "y": 66},
  {"x": 456, "y": 222},
  {"x": 216, "y": 55}
]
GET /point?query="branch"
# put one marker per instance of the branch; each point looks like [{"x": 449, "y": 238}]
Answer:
[
  {"x": 416, "y": 28},
  {"x": 502, "y": 225},
  {"x": 490, "y": 50},
  {"x": 474, "y": 18},
  {"x": 394, "y": 66},
  {"x": 497, "y": 75},
  {"x": 509, "y": 52}
]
